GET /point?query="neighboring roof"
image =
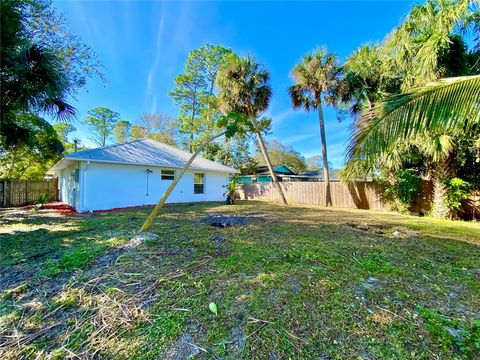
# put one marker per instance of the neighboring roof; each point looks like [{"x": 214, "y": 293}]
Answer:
[
  {"x": 142, "y": 152},
  {"x": 279, "y": 169},
  {"x": 334, "y": 174}
]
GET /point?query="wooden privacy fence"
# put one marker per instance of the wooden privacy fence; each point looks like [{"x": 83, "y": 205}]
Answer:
[
  {"x": 358, "y": 195},
  {"x": 25, "y": 192}
]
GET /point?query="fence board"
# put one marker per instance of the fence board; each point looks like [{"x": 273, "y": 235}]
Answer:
[{"x": 25, "y": 192}]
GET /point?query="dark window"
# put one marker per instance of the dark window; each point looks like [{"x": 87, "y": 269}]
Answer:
[
  {"x": 168, "y": 174},
  {"x": 198, "y": 183}
]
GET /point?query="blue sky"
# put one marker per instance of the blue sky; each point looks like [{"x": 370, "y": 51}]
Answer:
[{"x": 143, "y": 46}]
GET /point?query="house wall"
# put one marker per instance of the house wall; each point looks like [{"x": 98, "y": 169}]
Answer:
[
  {"x": 69, "y": 185},
  {"x": 107, "y": 186}
]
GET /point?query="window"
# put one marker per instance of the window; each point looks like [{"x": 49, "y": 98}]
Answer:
[
  {"x": 168, "y": 174},
  {"x": 198, "y": 183}
]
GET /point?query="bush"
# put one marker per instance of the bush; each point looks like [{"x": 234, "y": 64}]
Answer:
[
  {"x": 403, "y": 191},
  {"x": 457, "y": 190}
]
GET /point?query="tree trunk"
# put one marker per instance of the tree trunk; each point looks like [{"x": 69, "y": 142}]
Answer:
[
  {"x": 270, "y": 167},
  {"x": 326, "y": 174},
  {"x": 440, "y": 208},
  {"x": 156, "y": 209},
  {"x": 190, "y": 143}
]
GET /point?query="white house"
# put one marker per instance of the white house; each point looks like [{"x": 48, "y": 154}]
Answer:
[{"x": 136, "y": 173}]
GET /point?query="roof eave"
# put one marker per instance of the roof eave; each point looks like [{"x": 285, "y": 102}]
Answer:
[{"x": 68, "y": 158}]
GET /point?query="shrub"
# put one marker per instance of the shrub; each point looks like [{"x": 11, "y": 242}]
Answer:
[
  {"x": 457, "y": 190},
  {"x": 401, "y": 193}
]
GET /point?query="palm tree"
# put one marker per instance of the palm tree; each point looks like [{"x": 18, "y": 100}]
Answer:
[
  {"x": 244, "y": 87},
  {"x": 451, "y": 104},
  {"x": 33, "y": 77},
  {"x": 316, "y": 80},
  {"x": 427, "y": 117}
]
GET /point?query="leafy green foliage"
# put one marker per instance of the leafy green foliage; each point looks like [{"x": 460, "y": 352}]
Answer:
[
  {"x": 121, "y": 131},
  {"x": 157, "y": 126},
  {"x": 31, "y": 158},
  {"x": 102, "y": 122},
  {"x": 194, "y": 93},
  {"x": 282, "y": 154},
  {"x": 447, "y": 105},
  {"x": 138, "y": 132},
  {"x": 42, "y": 64},
  {"x": 403, "y": 190},
  {"x": 41, "y": 201},
  {"x": 457, "y": 190},
  {"x": 316, "y": 77},
  {"x": 406, "y": 116}
]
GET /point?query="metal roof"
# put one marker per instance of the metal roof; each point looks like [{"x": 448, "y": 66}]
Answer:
[{"x": 142, "y": 152}]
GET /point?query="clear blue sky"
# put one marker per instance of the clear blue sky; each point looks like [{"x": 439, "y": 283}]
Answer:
[{"x": 143, "y": 46}]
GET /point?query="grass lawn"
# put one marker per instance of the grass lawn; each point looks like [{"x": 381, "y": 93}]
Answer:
[{"x": 290, "y": 283}]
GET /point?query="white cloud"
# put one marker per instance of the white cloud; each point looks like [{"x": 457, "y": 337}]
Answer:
[
  {"x": 280, "y": 119},
  {"x": 154, "y": 68},
  {"x": 87, "y": 20},
  {"x": 295, "y": 138}
]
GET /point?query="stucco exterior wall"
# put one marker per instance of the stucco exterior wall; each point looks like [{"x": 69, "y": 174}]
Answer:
[
  {"x": 69, "y": 185},
  {"x": 106, "y": 186}
]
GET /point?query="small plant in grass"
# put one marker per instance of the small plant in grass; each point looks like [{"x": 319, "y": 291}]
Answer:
[
  {"x": 41, "y": 201},
  {"x": 404, "y": 189}
]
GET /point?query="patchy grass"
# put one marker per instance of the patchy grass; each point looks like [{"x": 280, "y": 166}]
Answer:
[{"x": 293, "y": 282}]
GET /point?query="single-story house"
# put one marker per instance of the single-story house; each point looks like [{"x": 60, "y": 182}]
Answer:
[{"x": 136, "y": 173}]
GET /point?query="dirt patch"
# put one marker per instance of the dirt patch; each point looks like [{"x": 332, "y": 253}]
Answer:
[
  {"x": 11, "y": 276},
  {"x": 226, "y": 220},
  {"x": 369, "y": 284},
  {"x": 403, "y": 232},
  {"x": 378, "y": 229},
  {"x": 140, "y": 239},
  {"x": 183, "y": 348}
]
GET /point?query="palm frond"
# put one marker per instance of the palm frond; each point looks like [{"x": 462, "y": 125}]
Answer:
[{"x": 452, "y": 104}]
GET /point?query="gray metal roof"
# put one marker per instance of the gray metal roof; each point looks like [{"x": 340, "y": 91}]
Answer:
[{"x": 142, "y": 152}]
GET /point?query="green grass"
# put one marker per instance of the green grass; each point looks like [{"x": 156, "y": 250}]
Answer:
[{"x": 295, "y": 282}]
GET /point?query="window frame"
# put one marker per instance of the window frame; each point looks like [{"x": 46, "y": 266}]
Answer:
[
  {"x": 196, "y": 184},
  {"x": 169, "y": 175}
]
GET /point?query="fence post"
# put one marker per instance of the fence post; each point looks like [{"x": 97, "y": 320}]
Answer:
[
  {"x": 4, "y": 195},
  {"x": 26, "y": 191},
  {"x": 10, "y": 185}
]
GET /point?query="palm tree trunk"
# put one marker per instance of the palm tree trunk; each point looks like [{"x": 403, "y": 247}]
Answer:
[
  {"x": 276, "y": 184},
  {"x": 440, "y": 208},
  {"x": 326, "y": 174},
  {"x": 156, "y": 209}
]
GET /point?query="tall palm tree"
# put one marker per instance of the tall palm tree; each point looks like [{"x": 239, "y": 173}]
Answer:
[
  {"x": 316, "y": 78},
  {"x": 244, "y": 87}
]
